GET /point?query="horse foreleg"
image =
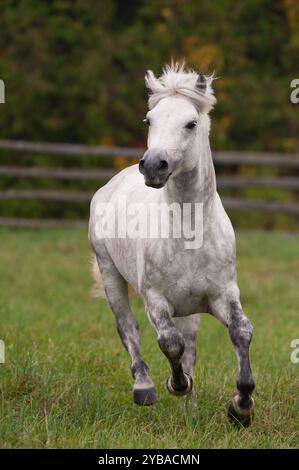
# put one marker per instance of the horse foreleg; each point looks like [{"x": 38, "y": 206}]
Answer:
[
  {"x": 230, "y": 312},
  {"x": 240, "y": 330},
  {"x": 171, "y": 343},
  {"x": 116, "y": 289}
]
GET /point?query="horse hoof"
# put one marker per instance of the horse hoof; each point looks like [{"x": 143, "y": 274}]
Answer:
[
  {"x": 239, "y": 416},
  {"x": 145, "y": 396},
  {"x": 180, "y": 393}
]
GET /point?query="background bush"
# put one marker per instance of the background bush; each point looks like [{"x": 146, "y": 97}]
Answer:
[{"x": 74, "y": 70}]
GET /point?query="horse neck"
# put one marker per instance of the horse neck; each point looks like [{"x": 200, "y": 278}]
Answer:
[{"x": 196, "y": 185}]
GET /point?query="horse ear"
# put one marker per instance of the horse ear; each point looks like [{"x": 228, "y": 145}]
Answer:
[{"x": 201, "y": 83}]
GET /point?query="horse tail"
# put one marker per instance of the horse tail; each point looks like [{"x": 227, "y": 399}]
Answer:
[{"x": 98, "y": 287}]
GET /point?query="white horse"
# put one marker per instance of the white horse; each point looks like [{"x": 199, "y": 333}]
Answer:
[{"x": 176, "y": 281}]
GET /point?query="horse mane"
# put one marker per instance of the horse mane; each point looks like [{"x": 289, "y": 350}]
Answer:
[{"x": 176, "y": 80}]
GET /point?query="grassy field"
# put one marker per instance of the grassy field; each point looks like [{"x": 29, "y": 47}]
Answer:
[{"x": 66, "y": 381}]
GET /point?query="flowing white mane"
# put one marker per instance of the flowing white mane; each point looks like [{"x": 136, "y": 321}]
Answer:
[{"x": 175, "y": 80}]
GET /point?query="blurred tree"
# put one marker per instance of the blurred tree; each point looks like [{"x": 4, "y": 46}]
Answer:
[{"x": 74, "y": 71}]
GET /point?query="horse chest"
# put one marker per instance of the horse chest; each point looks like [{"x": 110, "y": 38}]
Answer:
[
  {"x": 181, "y": 278},
  {"x": 187, "y": 277}
]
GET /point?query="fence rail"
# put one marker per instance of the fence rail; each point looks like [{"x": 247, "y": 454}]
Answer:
[
  {"x": 79, "y": 150},
  {"x": 223, "y": 182},
  {"x": 47, "y": 195},
  {"x": 40, "y": 223},
  {"x": 85, "y": 196},
  {"x": 57, "y": 173},
  {"x": 221, "y": 159}
]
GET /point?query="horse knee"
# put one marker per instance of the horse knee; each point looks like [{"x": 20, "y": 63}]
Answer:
[
  {"x": 171, "y": 343},
  {"x": 241, "y": 335},
  {"x": 240, "y": 328}
]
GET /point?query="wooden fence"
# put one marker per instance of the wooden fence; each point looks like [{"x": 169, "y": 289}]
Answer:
[{"x": 222, "y": 160}]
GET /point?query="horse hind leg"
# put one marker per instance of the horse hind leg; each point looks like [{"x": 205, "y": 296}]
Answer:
[
  {"x": 116, "y": 289},
  {"x": 188, "y": 326}
]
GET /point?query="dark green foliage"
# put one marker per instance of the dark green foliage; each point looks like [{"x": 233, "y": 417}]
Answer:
[{"x": 74, "y": 71}]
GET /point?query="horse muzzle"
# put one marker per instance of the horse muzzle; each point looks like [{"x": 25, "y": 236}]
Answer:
[{"x": 156, "y": 168}]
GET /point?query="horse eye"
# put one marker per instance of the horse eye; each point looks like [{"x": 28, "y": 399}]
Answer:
[
  {"x": 147, "y": 121},
  {"x": 191, "y": 125}
]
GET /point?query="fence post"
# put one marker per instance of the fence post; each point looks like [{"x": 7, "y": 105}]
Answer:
[{"x": 2, "y": 92}]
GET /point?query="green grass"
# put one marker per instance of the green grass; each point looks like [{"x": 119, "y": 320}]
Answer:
[{"x": 66, "y": 381}]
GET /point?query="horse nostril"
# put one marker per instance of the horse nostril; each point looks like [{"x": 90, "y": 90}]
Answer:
[
  {"x": 163, "y": 165},
  {"x": 141, "y": 165}
]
